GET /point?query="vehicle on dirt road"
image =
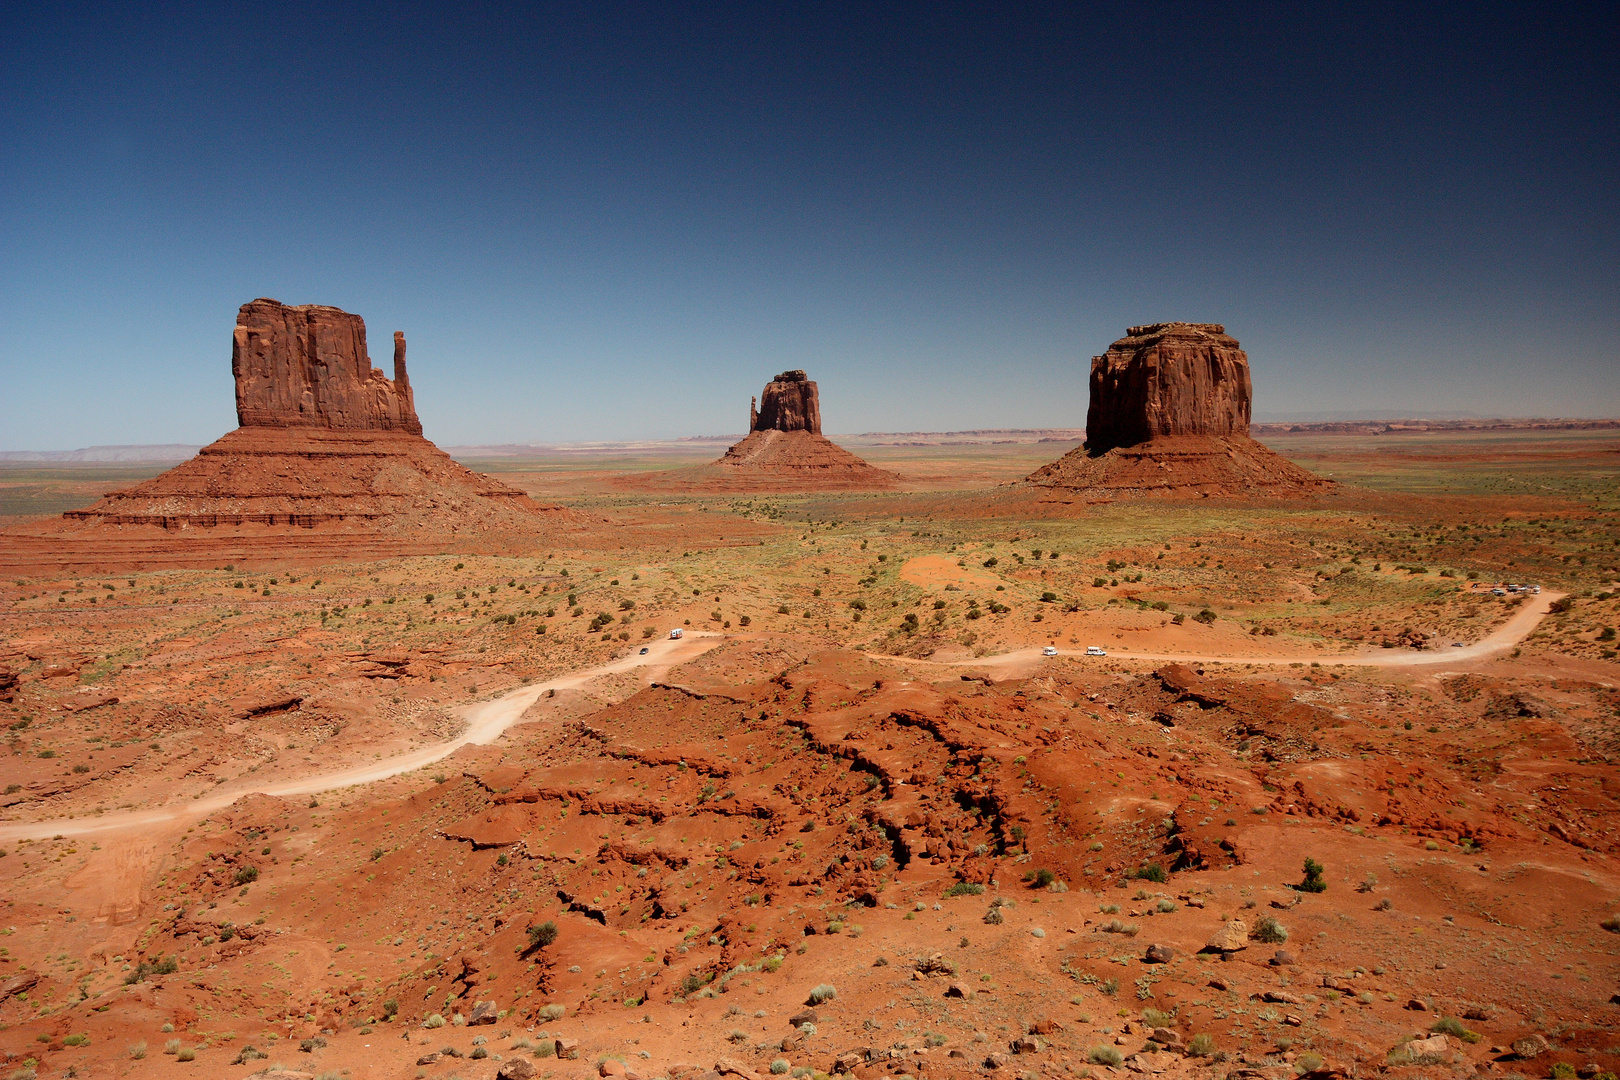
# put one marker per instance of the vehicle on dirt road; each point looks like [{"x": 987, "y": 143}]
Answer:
[{"x": 1095, "y": 650}]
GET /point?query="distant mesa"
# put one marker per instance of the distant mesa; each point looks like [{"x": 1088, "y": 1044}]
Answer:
[
  {"x": 1169, "y": 415},
  {"x": 783, "y": 451},
  {"x": 329, "y": 462}
]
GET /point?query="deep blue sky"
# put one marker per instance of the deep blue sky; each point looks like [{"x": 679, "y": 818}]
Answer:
[{"x": 601, "y": 222}]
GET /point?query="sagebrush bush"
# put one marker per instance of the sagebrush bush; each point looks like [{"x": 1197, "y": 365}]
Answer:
[
  {"x": 1269, "y": 931},
  {"x": 1201, "y": 1045},
  {"x": 822, "y": 993},
  {"x": 1105, "y": 1055}
]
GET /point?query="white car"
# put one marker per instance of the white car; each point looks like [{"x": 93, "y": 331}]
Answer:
[
  {"x": 1095, "y": 650},
  {"x": 1050, "y": 650}
]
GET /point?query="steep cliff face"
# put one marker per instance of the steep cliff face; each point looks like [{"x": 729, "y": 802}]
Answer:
[
  {"x": 307, "y": 366},
  {"x": 1171, "y": 378},
  {"x": 791, "y": 402}
]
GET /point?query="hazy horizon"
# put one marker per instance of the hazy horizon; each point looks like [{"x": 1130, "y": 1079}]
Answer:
[{"x": 611, "y": 223}]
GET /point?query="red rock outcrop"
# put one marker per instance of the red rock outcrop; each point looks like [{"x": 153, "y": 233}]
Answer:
[
  {"x": 783, "y": 451},
  {"x": 307, "y": 366},
  {"x": 791, "y": 402},
  {"x": 1169, "y": 415},
  {"x": 1168, "y": 379},
  {"x": 329, "y": 463}
]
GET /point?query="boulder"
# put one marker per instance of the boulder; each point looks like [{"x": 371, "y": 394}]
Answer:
[
  {"x": 484, "y": 1012},
  {"x": 566, "y": 1049},
  {"x": 1159, "y": 954},
  {"x": 803, "y": 1016},
  {"x": 1166, "y": 1037},
  {"x": 8, "y": 683},
  {"x": 517, "y": 1069},
  {"x": 1531, "y": 1046},
  {"x": 1232, "y": 937},
  {"x": 307, "y": 366}
]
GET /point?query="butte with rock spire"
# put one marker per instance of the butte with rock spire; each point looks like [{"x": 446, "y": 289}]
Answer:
[
  {"x": 784, "y": 449},
  {"x": 329, "y": 461}
]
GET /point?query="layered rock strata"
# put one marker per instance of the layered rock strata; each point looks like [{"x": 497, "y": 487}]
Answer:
[{"x": 1169, "y": 415}]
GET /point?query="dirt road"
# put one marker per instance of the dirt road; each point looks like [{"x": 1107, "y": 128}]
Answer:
[
  {"x": 486, "y": 721},
  {"x": 1498, "y": 641}
]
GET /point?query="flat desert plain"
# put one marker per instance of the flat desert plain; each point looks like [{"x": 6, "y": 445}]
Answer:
[{"x": 1335, "y": 801}]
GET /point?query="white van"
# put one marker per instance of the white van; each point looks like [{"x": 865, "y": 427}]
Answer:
[
  {"x": 1095, "y": 650},
  {"x": 1050, "y": 650},
  {"x": 677, "y": 632}
]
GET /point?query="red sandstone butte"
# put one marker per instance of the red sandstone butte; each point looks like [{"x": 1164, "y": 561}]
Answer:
[
  {"x": 329, "y": 462},
  {"x": 783, "y": 451},
  {"x": 1169, "y": 415},
  {"x": 307, "y": 366}
]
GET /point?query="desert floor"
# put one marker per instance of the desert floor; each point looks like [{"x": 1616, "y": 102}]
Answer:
[{"x": 312, "y": 814}]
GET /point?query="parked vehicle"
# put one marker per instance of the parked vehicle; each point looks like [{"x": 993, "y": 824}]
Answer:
[
  {"x": 677, "y": 632},
  {"x": 643, "y": 652},
  {"x": 1050, "y": 650},
  {"x": 1095, "y": 650}
]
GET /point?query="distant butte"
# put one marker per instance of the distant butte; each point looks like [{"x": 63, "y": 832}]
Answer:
[
  {"x": 1169, "y": 415},
  {"x": 329, "y": 462},
  {"x": 784, "y": 450}
]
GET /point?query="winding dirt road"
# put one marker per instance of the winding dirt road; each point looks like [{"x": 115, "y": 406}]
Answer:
[
  {"x": 486, "y": 722},
  {"x": 1498, "y": 641}
]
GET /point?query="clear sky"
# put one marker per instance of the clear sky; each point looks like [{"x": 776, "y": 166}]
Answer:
[{"x": 599, "y": 221}]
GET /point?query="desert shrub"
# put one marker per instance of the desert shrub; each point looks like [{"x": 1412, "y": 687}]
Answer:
[
  {"x": 1040, "y": 878},
  {"x": 994, "y": 917},
  {"x": 1308, "y": 1062},
  {"x": 186, "y": 1053},
  {"x": 246, "y": 874},
  {"x": 1155, "y": 1018},
  {"x": 1562, "y": 1070},
  {"x": 1313, "y": 882},
  {"x": 773, "y": 963},
  {"x": 137, "y": 1050},
  {"x": 434, "y": 1021},
  {"x": 542, "y": 935},
  {"x": 391, "y": 1008},
  {"x": 167, "y": 965},
  {"x": 248, "y": 1054},
  {"x": 1105, "y": 1055},
  {"x": 1269, "y": 931},
  {"x": 1166, "y": 906},
  {"x": 780, "y": 1066},
  {"x": 1115, "y": 926},
  {"x": 172, "y": 1046},
  {"x": 1201, "y": 1045},
  {"x": 76, "y": 1040},
  {"x": 1206, "y": 617},
  {"x": 1383, "y": 905},
  {"x": 1109, "y": 909},
  {"x": 1611, "y": 924},
  {"x": 1152, "y": 871},
  {"x": 1450, "y": 1025},
  {"x": 823, "y": 993}
]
